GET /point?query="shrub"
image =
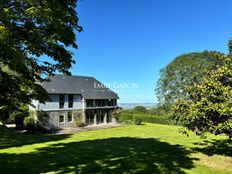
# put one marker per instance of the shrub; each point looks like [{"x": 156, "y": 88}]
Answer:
[
  {"x": 80, "y": 123},
  {"x": 42, "y": 118},
  {"x": 30, "y": 123},
  {"x": 137, "y": 120},
  {"x": 139, "y": 109},
  {"x": 116, "y": 113},
  {"x": 128, "y": 122},
  {"x": 125, "y": 117},
  {"x": 10, "y": 120},
  {"x": 19, "y": 117}
]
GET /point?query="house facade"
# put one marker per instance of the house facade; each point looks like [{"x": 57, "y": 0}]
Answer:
[{"x": 76, "y": 98}]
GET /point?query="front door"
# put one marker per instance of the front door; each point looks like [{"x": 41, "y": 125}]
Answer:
[{"x": 61, "y": 120}]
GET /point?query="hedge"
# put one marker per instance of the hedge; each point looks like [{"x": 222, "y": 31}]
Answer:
[{"x": 149, "y": 118}]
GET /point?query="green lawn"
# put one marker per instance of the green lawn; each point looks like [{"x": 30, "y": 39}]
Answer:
[{"x": 149, "y": 148}]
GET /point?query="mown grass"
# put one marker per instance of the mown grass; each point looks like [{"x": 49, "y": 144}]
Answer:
[{"x": 148, "y": 148}]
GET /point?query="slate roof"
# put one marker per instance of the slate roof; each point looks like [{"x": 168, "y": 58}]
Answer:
[{"x": 86, "y": 86}]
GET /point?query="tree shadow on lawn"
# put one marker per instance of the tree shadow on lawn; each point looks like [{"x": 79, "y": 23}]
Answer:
[
  {"x": 18, "y": 140},
  {"x": 218, "y": 147},
  {"x": 113, "y": 155}
]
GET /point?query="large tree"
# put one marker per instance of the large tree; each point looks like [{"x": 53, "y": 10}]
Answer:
[
  {"x": 184, "y": 70},
  {"x": 208, "y": 107},
  {"x": 29, "y": 31}
]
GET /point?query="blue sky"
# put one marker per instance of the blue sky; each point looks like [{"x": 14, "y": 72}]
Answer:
[{"x": 129, "y": 41}]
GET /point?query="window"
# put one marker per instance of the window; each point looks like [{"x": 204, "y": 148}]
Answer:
[
  {"x": 61, "y": 119},
  {"x": 112, "y": 102},
  {"x": 103, "y": 102},
  {"x": 70, "y": 101},
  {"x": 70, "y": 117},
  {"x": 89, "y": 103},
  {"x": 50, "y": 98},
  {"x": 61, "y": 101},
  {"x": 99, "y": 103}
]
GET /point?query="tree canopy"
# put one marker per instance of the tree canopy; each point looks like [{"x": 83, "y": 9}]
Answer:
[
  {"x": 208, "y": 107},
  {"x": 184, "y": 70},
  {"x": 30, "y": 30}
]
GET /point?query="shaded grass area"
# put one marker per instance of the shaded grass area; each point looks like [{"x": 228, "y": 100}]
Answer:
[
  {"x": 112, "y": 155},
  {"x": 9, "y": 139},
  {"x": 218, "y": 147},
  {"x": 149, "y": 148}
]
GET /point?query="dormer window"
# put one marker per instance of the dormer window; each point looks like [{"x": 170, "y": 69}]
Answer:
[
  {"x": 70, "y": 101},
  {"x": 61, "y": 101}
]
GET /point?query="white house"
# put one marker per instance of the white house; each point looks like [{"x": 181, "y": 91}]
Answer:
[{"x": 76, "y": 97}]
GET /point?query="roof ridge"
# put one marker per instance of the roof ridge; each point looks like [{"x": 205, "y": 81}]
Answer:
[{"x": 72, "y": 76}]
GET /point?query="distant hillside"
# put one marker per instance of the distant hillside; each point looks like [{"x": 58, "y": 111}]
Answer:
[{"x": 132, "y": 105}]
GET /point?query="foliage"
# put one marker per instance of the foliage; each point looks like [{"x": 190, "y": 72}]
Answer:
[
  {"x": 137, "y": 120},
  {"x": 126, "y": 117},
  {"x": 116, "y": 113},
  {"x": 139, "y": 109},
  {"x": 208, "y": 107},
  {"x": 161, "y": 110},
  {"x": 80, "y": 123},
  {"x": 19, "y": 115},
  {"x": 36, "y": 122},
  {"x": 30, "y": 123},
  {"x": 30, "y": 30},
  {"x": 4, "y": 115},
  {"x": 154, "y": 115},
  {"x": 184, "y": 70},
  {"x": 10, "y": 119},
  {"x": 78, "y": 115},
  {"x": 42, "y": 118}
]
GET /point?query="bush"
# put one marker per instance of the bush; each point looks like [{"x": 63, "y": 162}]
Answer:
[
  {"x": 139, "y": 109},
  {"x": 10, "y": 120},
  {"x": 161, "y": 110},
  {"x": 19, "y": 117},
  {"x": 80, "y": 123},
  {"x": 146, "y": 117},
  {"x": 123, "y": 117},
  {"x": 30, "y": 123},
  {"x": 128, "y": 122},
  {"x": 42, "y": 118},
  {"x": 137, "y": 120}
]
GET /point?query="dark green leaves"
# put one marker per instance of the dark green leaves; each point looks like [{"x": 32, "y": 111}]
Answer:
[
  {"x": 184, "y": 70},
  {"x": 31, "y": 29},
  {"x": 208, "y": 107}
]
